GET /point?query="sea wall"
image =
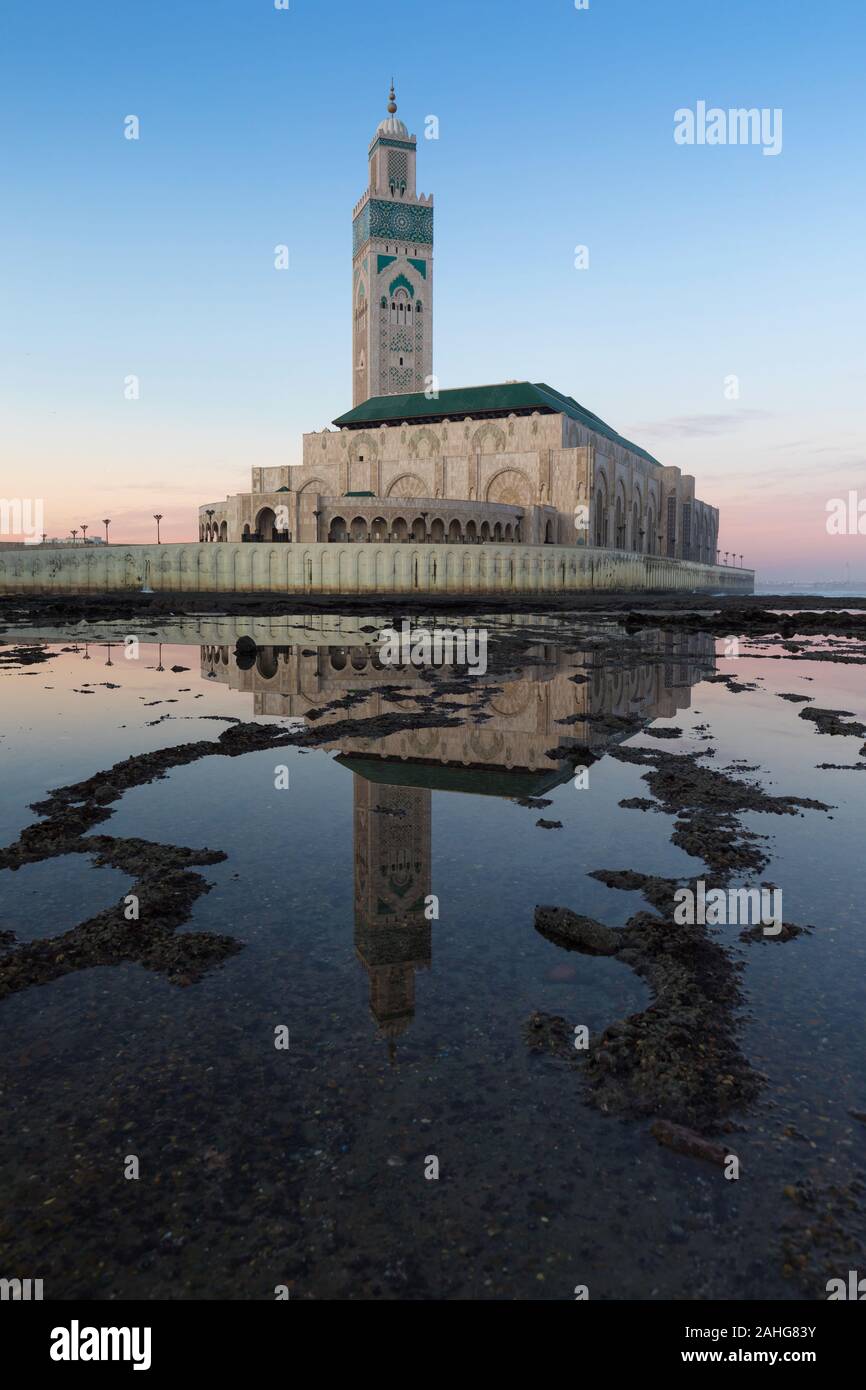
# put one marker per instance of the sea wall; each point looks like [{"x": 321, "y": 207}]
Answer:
[{"x": 354, "y": 569}]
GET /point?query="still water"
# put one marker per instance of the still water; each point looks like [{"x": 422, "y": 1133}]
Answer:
[{"x": 370, "y": 902}]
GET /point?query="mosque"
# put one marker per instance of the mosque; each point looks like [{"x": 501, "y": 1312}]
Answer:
[{"x": 515, "y": 462}]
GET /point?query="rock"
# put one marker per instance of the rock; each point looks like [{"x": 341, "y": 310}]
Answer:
[
  {"x": 687, "y": 1141},
  {"x": 575, "y": 932}
]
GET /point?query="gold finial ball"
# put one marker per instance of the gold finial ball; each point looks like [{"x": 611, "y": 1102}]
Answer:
[{"x": 392, "y": 102}]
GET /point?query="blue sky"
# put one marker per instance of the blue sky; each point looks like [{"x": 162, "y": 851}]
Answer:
[{"x": 155, "y": 257}]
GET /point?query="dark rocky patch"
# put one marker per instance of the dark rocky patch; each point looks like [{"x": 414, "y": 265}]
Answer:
[
  {"x": 686, "y": 1141},
  {"x": 707, "y": 803},
  {"x": 24, "y": 656},
  {"x": 788, "y": 933},
  {"x": 822, "y": 1236},
  {"x": 835, "y": 722},
  {"x": 678, "y": 1059}
]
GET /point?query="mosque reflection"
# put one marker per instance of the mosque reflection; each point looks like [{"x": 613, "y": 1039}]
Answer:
[{"x": 524, "y": 739}]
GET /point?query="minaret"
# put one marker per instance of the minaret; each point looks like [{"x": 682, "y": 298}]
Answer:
[{"x": 392, "y": 279}]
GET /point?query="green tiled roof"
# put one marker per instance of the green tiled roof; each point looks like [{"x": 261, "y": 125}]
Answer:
[
  {"x": 449, "y": 777},
  {"x": 518, "y": 397}
]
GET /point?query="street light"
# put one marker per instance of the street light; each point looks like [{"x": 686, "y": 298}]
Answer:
[
  {"x": 84, "y": 526},
  {"x": 209, "y": 511},
  {"x": 74, "y": 537},
  {"x": 157, "y": 516},
  {"x": 106, "y": 521}
]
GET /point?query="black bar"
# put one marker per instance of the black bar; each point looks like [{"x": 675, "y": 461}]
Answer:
[{"x": 226, "y": 1338}]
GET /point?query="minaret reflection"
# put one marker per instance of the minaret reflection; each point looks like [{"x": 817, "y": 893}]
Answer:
[
  {"x": 533, "y": 726},
  {"x": 392, "y": 883}
]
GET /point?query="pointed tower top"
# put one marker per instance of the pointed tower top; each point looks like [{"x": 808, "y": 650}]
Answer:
[{"x": 391, "y": 125}]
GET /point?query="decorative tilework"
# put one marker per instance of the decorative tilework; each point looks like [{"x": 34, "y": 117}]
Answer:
[
  {"x": 400, "y": 282},
  {"x": 393, "y": 144},
  {"x": 382, "y": 262},
  {"x": 361, "y": 229},
  {"x": 397, "y": 221},
  {"x": 398, "y": 167},
  {"x": 420, "y": 266},
  {"x": 403, "y": 221}
]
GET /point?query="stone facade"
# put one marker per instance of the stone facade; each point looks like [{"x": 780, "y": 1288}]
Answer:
[{"x": 570, "y": 484}]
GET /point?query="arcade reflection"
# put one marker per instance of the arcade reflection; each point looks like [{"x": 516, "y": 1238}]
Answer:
[{"x": 521, "y": 735}]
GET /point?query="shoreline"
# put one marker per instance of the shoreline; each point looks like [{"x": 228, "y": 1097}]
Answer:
[{"x": 721, "y": 612}]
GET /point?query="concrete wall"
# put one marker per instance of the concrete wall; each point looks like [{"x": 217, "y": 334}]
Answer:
[{"x": 353, "y": 569}]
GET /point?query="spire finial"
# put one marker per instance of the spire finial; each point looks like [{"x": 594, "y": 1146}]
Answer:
[{"x": 392, "y": 100}]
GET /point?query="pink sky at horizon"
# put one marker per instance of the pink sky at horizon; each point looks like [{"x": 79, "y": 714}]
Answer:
[{"x": 772, "y": 497}]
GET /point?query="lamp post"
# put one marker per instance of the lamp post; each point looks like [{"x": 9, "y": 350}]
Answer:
[
  {"x": 317, "y": 514},
  {"x": 727, "y": 553},
  {"x": 209, "y": 514},
  {"x": 157, "y": 516},
  {"x": 106, "y": 521},
  {"x": 741, "y": 562},
  {"x": 74, "y": 537},
  {"x": 84, "y": 526}
]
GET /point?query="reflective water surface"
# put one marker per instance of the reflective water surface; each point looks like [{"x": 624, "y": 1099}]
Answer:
[{"x": 369, "y": 894}]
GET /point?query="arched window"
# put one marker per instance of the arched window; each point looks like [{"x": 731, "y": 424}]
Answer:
[
  {"x": 401, "y": 306},
  {"x": 601, "y": 516}
]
